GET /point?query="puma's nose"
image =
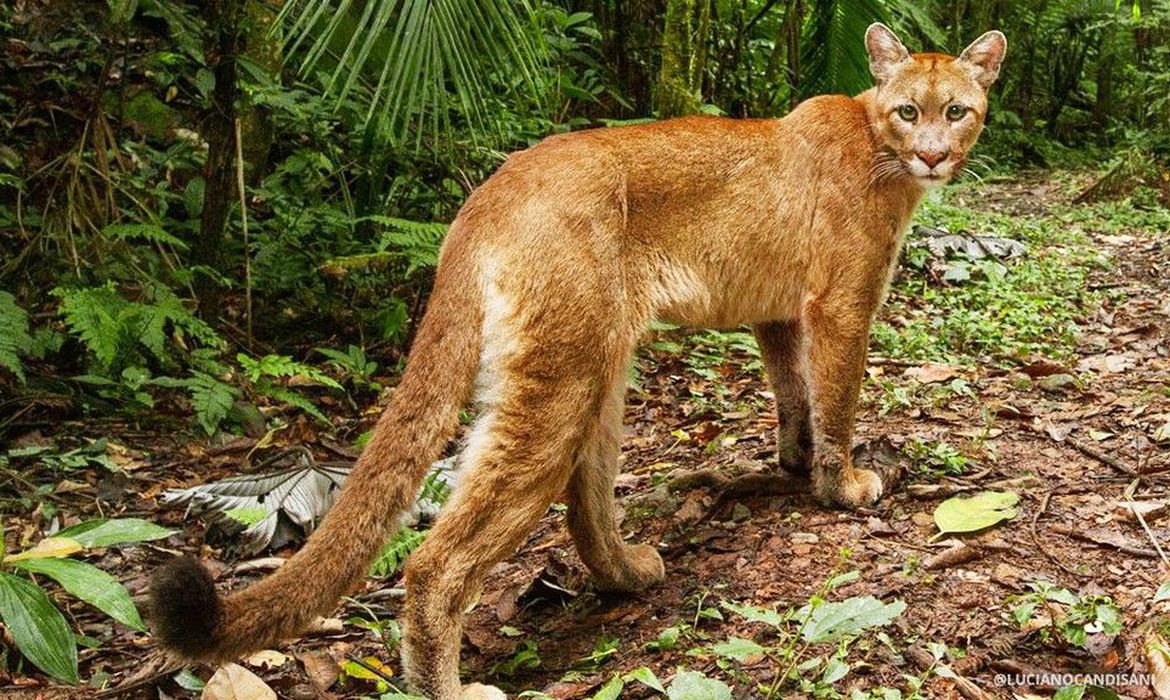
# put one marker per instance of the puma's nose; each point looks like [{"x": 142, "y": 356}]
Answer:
[{"x": 933, "y": 158}]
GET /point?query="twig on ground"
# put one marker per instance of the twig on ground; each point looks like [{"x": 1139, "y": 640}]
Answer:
[
  {"x": 1149, "y": 533},
  {"x": 370, "y": 667},
  {"x": 1116, "y": 544},
  {"x": 1101, "y": 456},
  {"x": 1036, "y": 538},
  {"x": 151, "y": 671},
  {"x": 925, "y": 661},
  {"x": 954, "y": 556}
]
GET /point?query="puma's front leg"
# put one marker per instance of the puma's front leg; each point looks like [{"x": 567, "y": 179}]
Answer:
[
  {"x": 838, "y": 326},
  {"x": 781, "y": 348}
]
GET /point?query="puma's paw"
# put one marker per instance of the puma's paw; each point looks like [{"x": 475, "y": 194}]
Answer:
[
  {"x": 639, "y": 568},
  {"x": 854, "y": 489},
  {"x": 864, "y": 489},
  {"x": 479, "y": 691},
  {"x": 648, "y": 563}
]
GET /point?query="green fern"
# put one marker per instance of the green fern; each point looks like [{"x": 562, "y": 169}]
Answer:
[
  {"x": 394, "y": 554},
  {"x": 417, "y": 242},
  {"x": 262, "y": 372},
  {"x": 211, "y": 398},
  {"x": 14, "y": 338},
  {"x": 280, "y": 366},
  {"x": 116, "y": 329},
  {"x": 98, "y": 317},
  {"x": 291, "y": 398},
  {"x": 143, "y": 232},
  {"x": 406, "y": 245}
]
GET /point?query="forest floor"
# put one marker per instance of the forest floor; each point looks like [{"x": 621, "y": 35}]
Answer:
[{"x": 1078, "y": 429}]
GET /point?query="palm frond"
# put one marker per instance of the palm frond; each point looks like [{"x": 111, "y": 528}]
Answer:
[
  {"x": 834, "y": 58},
  {"x": 408, "y": 64}
]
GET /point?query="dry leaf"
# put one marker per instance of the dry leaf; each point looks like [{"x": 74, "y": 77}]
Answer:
[
  {"x": 321, "y": 669},
  {"x": 1158, "y": 660},
  {"x": 266, "y": 658},
  {"x": 932, "y": 373},
  {"x": 234, "y": 682}
]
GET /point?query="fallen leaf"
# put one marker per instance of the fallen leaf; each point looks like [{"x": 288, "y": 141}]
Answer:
[
  {"x": 321, "y": 669},
  {"x": 932, "y": 373},
  {"x": 234, "y": 682},
  {"x": 961, "y": 514},
  {"x": 1157, "y": 654},
  {"x": 266, "y": 658}
]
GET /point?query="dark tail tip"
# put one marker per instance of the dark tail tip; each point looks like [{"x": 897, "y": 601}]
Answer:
[{"x": 185, "y": 609}]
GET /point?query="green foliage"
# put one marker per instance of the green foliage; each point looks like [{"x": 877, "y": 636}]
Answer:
[
  {"x": 394, "y": 554},
  {"x": 14, "y": 337},
  {"x": 1006, "y": 312},
  {"x": 1068, "y": 618},
  {"x": 119, "y": 332},
  {"x": 936, "y": 457},
  {"x": 39, "y": 629},
  {"x": 791, "y": 633},
  {"x": 408, "y": 62}
]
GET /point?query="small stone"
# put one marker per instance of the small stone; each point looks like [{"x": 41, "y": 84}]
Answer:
[
  {"x": 740, "y": 512},
  {"x": 804, "y": 538},
  {"x": 1057, "y": 382}
]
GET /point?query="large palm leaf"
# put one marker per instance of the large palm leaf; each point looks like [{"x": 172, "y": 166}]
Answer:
[
  {"x": 408, "y": 63},
  {"x": 834, "y": 58}
]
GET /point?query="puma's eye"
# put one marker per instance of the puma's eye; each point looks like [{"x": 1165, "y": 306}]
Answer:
[
  {"x": 956, "y": 112},
  {"x": 908, "y": 112}
]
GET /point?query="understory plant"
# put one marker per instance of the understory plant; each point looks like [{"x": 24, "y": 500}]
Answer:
[{"x": 38, "y": 628}]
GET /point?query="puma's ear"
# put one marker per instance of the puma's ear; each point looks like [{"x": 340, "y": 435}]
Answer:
[
  {"x": 984, "y": 56},
  {"x": 885, "y": 51}
]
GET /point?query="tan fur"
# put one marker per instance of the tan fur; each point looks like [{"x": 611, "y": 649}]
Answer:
[{"x": 550, "y": 274}]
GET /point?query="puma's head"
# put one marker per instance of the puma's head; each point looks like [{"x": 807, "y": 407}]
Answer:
[{"x": 929, "y": 108}]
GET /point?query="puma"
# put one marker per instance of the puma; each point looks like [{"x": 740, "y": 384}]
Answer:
[{"x": 549, "y": 275}]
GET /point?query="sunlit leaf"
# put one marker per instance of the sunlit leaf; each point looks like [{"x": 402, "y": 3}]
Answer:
[
  {"x": 104, "y": 533},
  {"x": 90, "y": 584},
  {"x": 968, "y": 514},
  {"x": 38, "y": 628}
]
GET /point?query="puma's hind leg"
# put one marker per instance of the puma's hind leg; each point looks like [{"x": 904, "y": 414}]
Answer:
[
  {"x": 615, "y": 565},
  {"x": 517, "y": 462},
  {"x": 781, "y": 346}
]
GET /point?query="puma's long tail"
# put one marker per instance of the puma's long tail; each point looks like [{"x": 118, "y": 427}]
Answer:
[{"x": 193, "y": 620}]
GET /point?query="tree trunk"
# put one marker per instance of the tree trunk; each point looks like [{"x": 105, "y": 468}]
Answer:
[
  {"x": 684, "y": 50},
  {"x": 225, "y": 20}
]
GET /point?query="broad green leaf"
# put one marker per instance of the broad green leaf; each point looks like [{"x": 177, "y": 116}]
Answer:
[
  {"x": 835, "y": 670},
  {"x": 48, "y": 548},
  {"x": 189, "y": 681},
  {"x": 611, "y": 690},
  {"x": 90, "y": 584},
  {"x": 646, "y": 677},
  {"x": 103, "y": 533},
  {"x": 754, "y": 614},
  {"x": 692, "y": 685},
  {"x": 977, "y": 512},
  {"x": 1070, "y": 692},
  {"x": 842, "y": 579},
  {"x": 832, "y": 621},
  {"x": 1163, "y": 592},
  {"x": 38, "y": 628},
  {"x": 737, "y": 648}
]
